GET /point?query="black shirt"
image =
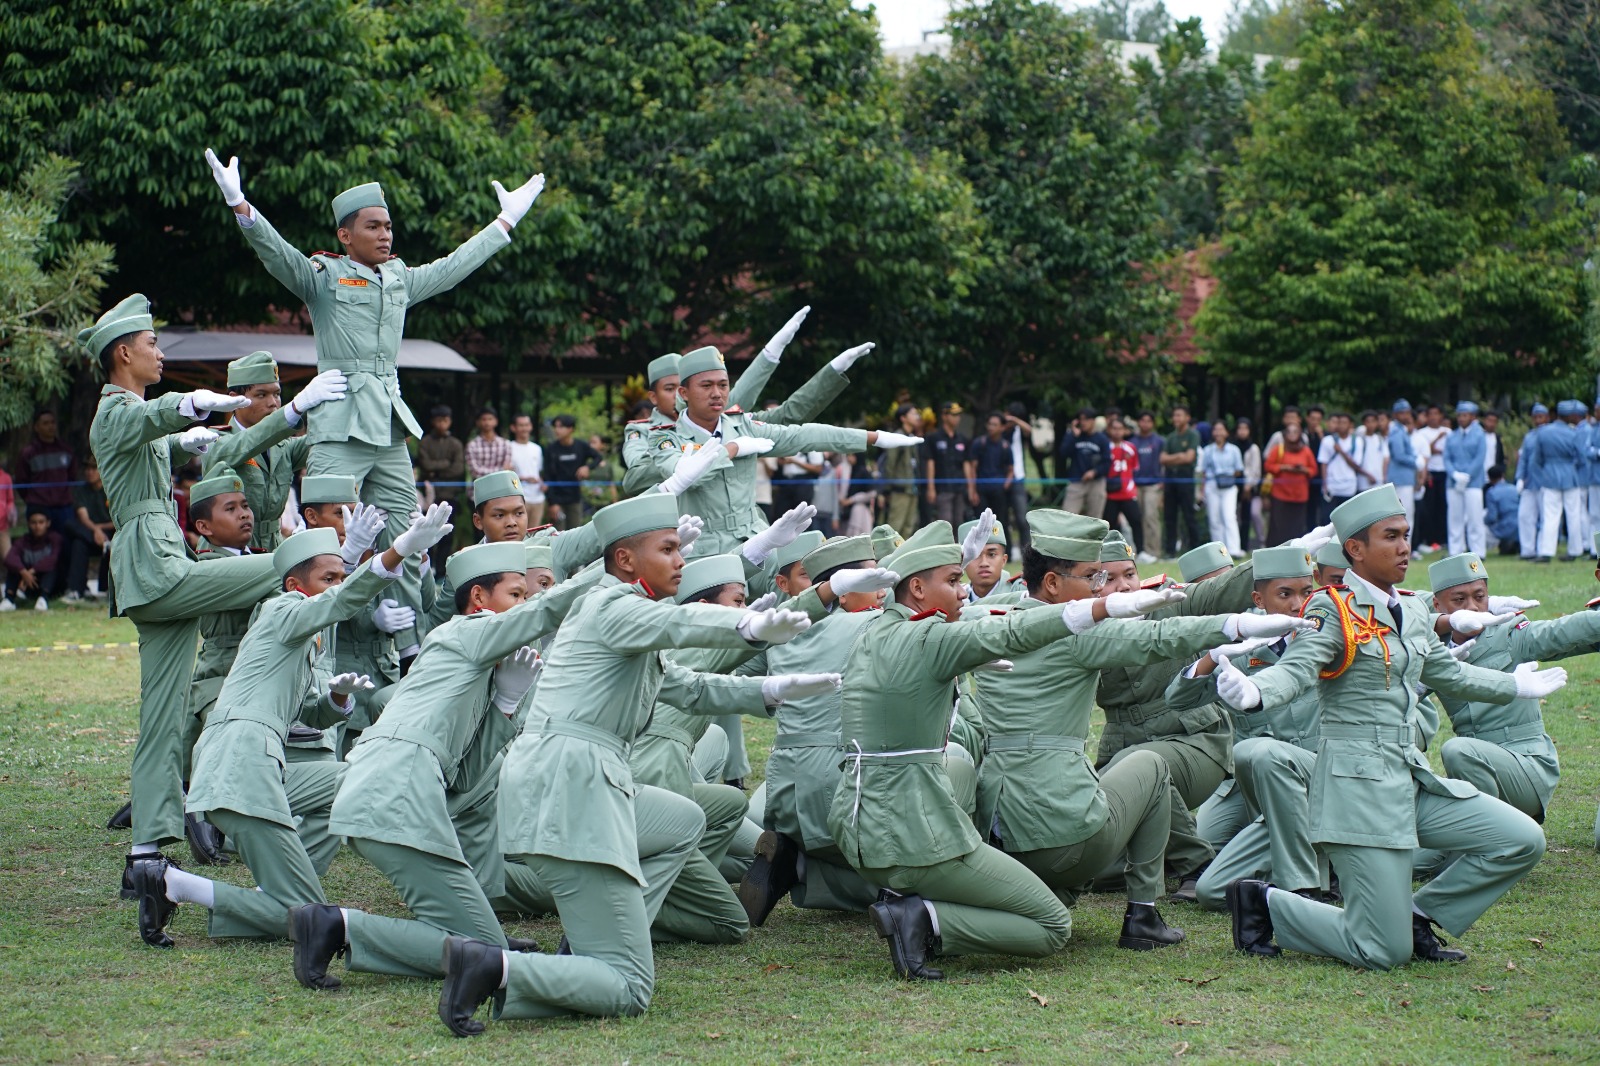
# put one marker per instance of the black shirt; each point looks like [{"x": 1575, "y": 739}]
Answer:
[
  {"x": 948, "y": 453},
  {"x": 561, "y": 463}
]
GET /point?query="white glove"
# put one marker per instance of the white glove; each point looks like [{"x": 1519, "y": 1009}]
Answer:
[
  {"x": 515, "y": 204},
  {"x": 361, "y": 528},
  {"x": 885, "y": 439},
  {"x": 1079, "y": 615},
  {"x": 743, "y": 446},
  {"x": 227, "y": 178},
  {"x": 342, "y": 686},
  {"x": 1461, "y": 479},
  {"x": 1236, "y": 690},
  {"x": 201, "y": 402},
  {"x": 773, "y": 350},
  {"x": 391, "y": 617},
  {"x": 426, "y": 530},
  {"x": 195, "y": 441},
  {"x": 994, "y": 666},
  {"x": 781, "y": 688},
  {"x": 1244, "y": 647},
  {"x": 789, "y": 525},
  {"x": 1460, "y": 651},
  {"x": 1502, "y": 604},
  {"x": 776, "y": 625},
  {"x": 1315, "y": 540},
  {"x": 977, "y": 537},
  {"x": 761, "y": 603},
  {"x": 514, "y": 677},
  {"x": 1134, "y": 604},
  {"x": 689, "y": 470},
  {"x": 847, "y": 358},
  {"x": 1534, "y": 683},
  {"x": 689, "y": 529},
  {"x": 1474, "y": 622},
  {"x": 868, "y": 579},
  {"x": 326, "y": 386},
  {"x": 1521, "y": 487},
  {"x": 1246, "y": 626}
]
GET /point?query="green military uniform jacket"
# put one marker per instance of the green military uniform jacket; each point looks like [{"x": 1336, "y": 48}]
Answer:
[
  {"x": 361, "y": 647},
  {"x": 358, "y": 315},
  {"x": 1363, "y": 790},
  {"x": 221, "y": 633},
  {"x": 239, "y": 760},
  {"x": 265, "y": 457}
]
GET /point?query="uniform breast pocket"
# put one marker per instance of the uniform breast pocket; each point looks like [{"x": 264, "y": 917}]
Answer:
[
  {"x": 274, "y": 753},
  {"x": 1362, "y": 765},
  {"x": 365, "y": 293},
  {"x": 618, "y": 778}
]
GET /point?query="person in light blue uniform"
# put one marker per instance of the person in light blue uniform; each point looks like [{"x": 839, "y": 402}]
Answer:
[
  {"x": 1591, "y": 456},
  {"x": 1463, "y": 471},
  {"x": 1529, "y": 485},
  {"x": 1403, "y": 458},
  {"x": 1560, "y": 454}
]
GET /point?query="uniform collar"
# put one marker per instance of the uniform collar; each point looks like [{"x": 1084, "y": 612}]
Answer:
[
  {"x": 693, "y": 431},
  {"x": 1377, "y": 595}
]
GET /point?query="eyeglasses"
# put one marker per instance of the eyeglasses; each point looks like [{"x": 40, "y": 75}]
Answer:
[{"x": 1096, "y": 580}]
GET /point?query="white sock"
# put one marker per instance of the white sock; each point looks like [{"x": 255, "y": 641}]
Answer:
[
  {"x": 505, "y": 968},
  {"x": 345, "y": 914},
  {"x": 145, "y": 849},
  {"x": 800, "y": 867},
  {"x": 184, "y": 887},
  {"x": 1137, "y": 903},
  {"x": 933, "y": 916},
  {"x": 408, "y": 651},
  {"x": 1419, "y": 912}
]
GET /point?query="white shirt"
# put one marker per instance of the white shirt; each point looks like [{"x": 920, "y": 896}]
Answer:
[
  {"x": 1422, "y": 442},
  {"x": 528, "y": 461},
  {"x": 1391, "y": 597},
  {"x": 793, "y": 471},
  {"x": 1339, "y": 476},
  {"x": 1372, "y": 455},
  {"x": 1017, "y": 465}
]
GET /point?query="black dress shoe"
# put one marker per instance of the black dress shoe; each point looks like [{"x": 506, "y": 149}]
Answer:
[
  {"x": 302, "y": 734},
  {"x": 735, "y": 782},
  {"x": 565, "y": 947},
  {"x": 1426, "y": 944},
  {"x": 205, "y": 841},
  {"x": 123, "y": 819},
  {"x": 128, "y": 891},
  {"x": 1252, "y": 921},
  {"x": 770, "y": 877},
  {"x": 526, "y": 945},
  {"x": 904, "y": 922},
  {"x": 318, "y": 932},
  {"x": 1189, "y": 886},
  {"x": 1143, "y": 929},
  {"x": 472, "y": 971},
  {"x": 144, "y": 878},
  {"x": 1318, "y": 895}
]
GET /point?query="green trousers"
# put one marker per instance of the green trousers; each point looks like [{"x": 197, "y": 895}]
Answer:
[
  {"x": 1275, "y": 780},
  {"x": 278, "y": 862},
  {"x": 1195, "y": 776},
  {"x": 1496, "y": 844},
  {"x": 710, "y": 755},
  {"x": 1138, "y": 800},
  {"x": 1222, "y": 816},
  {"x": 903, "y": 512},
  {"x": 736, "y": 764},
  {"x": 443, "y": 894},
  {"x": 702, "y": 907},
  {"x": 961, "y": 771},
  {"x": 984, "y": 902},
  {"x": 1495, "y": 771},
  {"x": 168, "y": 643},
  {"x": 742, "y": 850},
  {"x": 827, "y": 883}
]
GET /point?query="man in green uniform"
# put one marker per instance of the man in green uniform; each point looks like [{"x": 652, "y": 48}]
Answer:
[
  {"x": 1373, "y": 797},
  {"x": 1331, "y": 565},
  {"x": 900, "y": 479},
  {"x": 157, "y": 584},
  {"x": 986, "y": 575}
]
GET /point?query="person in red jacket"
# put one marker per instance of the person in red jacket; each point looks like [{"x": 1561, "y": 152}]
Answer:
[
  {"x": 34, "y": 564},
  {"x": 1122, "y": 496},
  {"x": 1291, "y": 464}
]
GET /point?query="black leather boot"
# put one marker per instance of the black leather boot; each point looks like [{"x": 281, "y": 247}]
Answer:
[
  {"x": 904, "y": 922},
  {"x": 318, "y": 932},
  {"x": 302, "y": 734},
  {"x": 525, "y": 945},
  {"x": 770, "y": 877},
  {"x": 123, "y": 819},
  {"x": 1189, "y": 886},
  {"x": 144, "y": 878},
  {"x": 472, "y": 971},
  {"x": 1252, "y": 921},
  {"x": 1427, "y": 945},
  {"x": 205, "y": 841},
  {"x": 1143, "y": 929}
]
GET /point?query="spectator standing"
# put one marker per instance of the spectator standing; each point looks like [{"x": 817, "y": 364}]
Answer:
[
  {"x": 767, "y": 468},
  {"x": 568, "y": 462},
  {"x": 1402, "y": 458},
  {"x": 604, "y": 476},
  {"x": 1085, "y": 460},
  {"x": 1148, "y": 443},
  {"x": 991, "y": 467},
  {"x": 1315, "y": 431},
  {"x": 91, "y": 512},
  {"x": 1019, "y": 434},
  {"x": 1463, "y": 466},
  {"x": 1559, "y": 447},
  {"x": 1221, "y": 471},
  {"x": 1493, "y": 454},
  {"x": 1290, "y": 466},
  {"x": 946, "y": 468},
  {"x": 900, "y": 481},
  {"x": 1428, "y": 441},
  {"x": 859, "y": 497},
  {"x": 1341, "y": 477},
  {"x": 1529, "y": 506},
  {"x": 44, "y": 471},
  {"x": 527, "y": 459},
  {"x": 487, "y": 452},
  {"x": 830, "y": 485},
  {"x": 1372, "y": 452},
  {"x": 1250, "y": 520},
  {"x": 1291, "y": 417},
  {"x": 442, "y": 464},
  {"x": 1179, "y": 453},
  {"x": 34, "y": 565},
  {"x": 1500, "y": 504},
  {"x": 796, "y": 480},
  {"x": 1122, "y": 490}
]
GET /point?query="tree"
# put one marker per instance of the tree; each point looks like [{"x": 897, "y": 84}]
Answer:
[
  {"x": 1263, "y": 27},
  {"x": 44, "y": 299},
  {"x": 1127, "y": 20},
  {"x": 1388, "y": 228}
]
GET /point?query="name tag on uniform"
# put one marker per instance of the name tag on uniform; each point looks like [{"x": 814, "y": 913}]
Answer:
[{"x": 359, "y": 283}]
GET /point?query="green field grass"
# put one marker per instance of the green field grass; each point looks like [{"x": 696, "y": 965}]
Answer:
[{"x": 80, "y": 987}]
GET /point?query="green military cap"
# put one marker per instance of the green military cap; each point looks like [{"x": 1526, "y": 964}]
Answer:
[
  {"x": 838, "y": 552},
  {"x": 1456, "y": 570},
  {"x": 129, "y": 316},
  {"x": 257, "y": 368},
  {"x": 219, "y": 481},
  {"x": 1059, "y": 534},
  {"x": 1207, "y": 558},
  {"x": 997, "y": 535},
  {"x": 793, "y": 552},
  {"x": 495, "y": 485},
  {"x": 306, "y": 544},
  {"x": 709, "y": 572},
  {"x": 540, "y": 556},
  {"x": 885, "y": 539},
  {"x": 1332, "y": 554},
  {"x": 931, "y": 546},
  {"x": 699, "y": 361},
  {"x": 328, "y": 488},
  {"x": 352, "y": 200},
  {"x": 478, "y": 560},
  {"x": 1115, "y": 549},
  {"x": 1286, "y": 560},
  {"x": 642, "y": 514},
  {"x": 662, "y": 366},
  {"x": 1365, "y": 508}
]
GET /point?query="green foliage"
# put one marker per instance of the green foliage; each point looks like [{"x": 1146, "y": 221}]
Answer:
[
  {"x": 1127, "y": 20},
  {"x": 1388, "y": 226},
  {"x": 1265, "y": 27},
  {"x": 45, "y": 298}
]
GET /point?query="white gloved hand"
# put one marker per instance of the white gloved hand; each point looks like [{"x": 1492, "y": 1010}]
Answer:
[
  {"x": 1461, "y": 479},
  {"x": 863, "y": 579},
  {"x": 1534, "y": 683},
  {"x": 342, "y": 687},
  {"x": 842, "y": 362},
  {"x": 743, "y": 446},
  {"x": 977, "y": 537},
  {"x": 994, "y": 666},
  {"x": 1134, "y": 604},
  {"x": 201, "y": 402},
  {"x": 761, "y": 603},
  {"x": 690, "y": 469},
  {"x": 1243, "y": 647},
  {"x": 689, "y": 529},
  {"x": 781, "y": 688},
  {"x": 227, "y": 178},
  {"x": 1474, "y": 622},
  {"x": 1502, "y": 604},
  {"x": 789, "y": 525},
  {"x": 426, "y": 530},
  {"x": 1235, "y": 689},
  {"x": 886, "y": 439},
  {"x": 195, "y": 441},
  {"x": 1246, "y": 626},
  {"x": 514, "y": 677},
  {"x": 1521, "y": 486},
  {"x": 1460, "y": 651},
  {"x": 325, "y": 387},
  {"x": 776, "y": 625},
  {"x": 1315, "y": 540},
  {"x": 515, "y": 204},
  {"x": 1079, "y": 615},
  {"x": 361, "y": 528},
  {"x": 772, "y": 351},
  {"x": 390, "y": 616}
]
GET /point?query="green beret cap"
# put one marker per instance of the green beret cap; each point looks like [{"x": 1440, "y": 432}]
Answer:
[
  {"x": 476, "y": 560},
  {"x": 257, "y": 368},
  {"x": 495, "y": 485},
  {"x": 540, "y": 556},
  {"x": 699, "y": 361},
  {"x": 997, "y": 535},
  {"x": 129, "y": 316},
  {"x": 1332, "y": 554},
  {"x": 662, "y": 366},
  {"x": 709, "y": 572},
  {"x": 1282, "y": 561},
  {"x": 1456, "y": 570},
  {"x": 328, "y": 488},
  {"x": 1115, "y": 549},
  {"x": 352, "y": 200},
  {"x": 306, "y": 544},
  {"x": 931, "y": 546},
  {"x": 1207, "y": 558},
  {"x": 793, "y": 552},
  {"x": 885, "y": 539},
  {"x": 1059, "y": 534},
  {"x": 1365, "y": 508},
  {"x": 838, "y": 552},
  {"x": 642, "y": 514},
  {"x": 219, "y": 481}
]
